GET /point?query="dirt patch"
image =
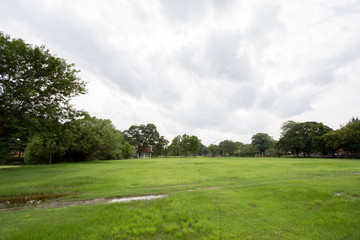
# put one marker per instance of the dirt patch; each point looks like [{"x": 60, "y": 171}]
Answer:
[
  {"x": 54, "y": 201},
  {"x": 27, "y": 203},
  {"x": 351, "y": 173},
  {"x": 22, "y": 200}
]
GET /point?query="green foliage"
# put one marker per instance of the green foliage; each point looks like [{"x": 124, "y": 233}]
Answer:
[
  {"x": 127, "y": 151},
  {"x": 347, "y": 138},
  {"x": 34, "y": 85},
  {"x": 184, "y": 145},
  {"x": 351, "y": 142},
  {"x": 142, "y": 135},
  {"x": 262, "y": 142},
  {"x": 303, "y": 137},
  {"x": 334, "y": 140},
  {"x": 193, "y": 145},
  {"x": 93, "y": 138},
  {"x": 214, "y": 149},
  {"x": 82, "y": 139},
  {"x": 37, "y": 151},
  {"x": 175, "y": 146},
  {"x": 248, "y": 150},
  {"x": 34, "y": 82},
  {"x": 227, "y": 147},
  {"x": 161, "y": 147},
  {"x": 203, "y": 150}
]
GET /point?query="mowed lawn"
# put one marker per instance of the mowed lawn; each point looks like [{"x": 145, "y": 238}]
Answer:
[{"x": 208, "y": 198}]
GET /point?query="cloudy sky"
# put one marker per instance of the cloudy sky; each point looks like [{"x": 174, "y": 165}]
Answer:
[{"x": 218, "y": 69}]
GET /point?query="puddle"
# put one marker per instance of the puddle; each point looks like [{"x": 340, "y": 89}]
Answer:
[
  {"x": 18, "y": 201},
  {"x": 129, "y": 199},
  {"x": 53, "y": 201}
]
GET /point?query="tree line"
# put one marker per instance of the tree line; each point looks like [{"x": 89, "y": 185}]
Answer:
[
  {"x": 36, "y": 117},
  {"x": 304, "y": 139}
]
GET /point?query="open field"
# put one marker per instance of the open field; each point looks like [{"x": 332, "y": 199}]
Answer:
[{"x": 208, "y": 198}]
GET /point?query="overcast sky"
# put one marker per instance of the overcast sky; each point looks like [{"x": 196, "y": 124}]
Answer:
[{"x": 218, "y": 69}]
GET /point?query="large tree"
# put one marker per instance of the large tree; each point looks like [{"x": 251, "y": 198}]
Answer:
[
  {"x": 34, "y": 86},
  {"x": 82, "y": 139},
  {"x": 94, "y": 138},
  {"x": 161, "y": 146},
  {"x": 142, "y": 135},
  {"x": 227, "y": 147},
  {"x": 175, "y": 146},
  {"x": 34, "y": 83},
  {"x": 194, "y": 144},
  {"x": 214, "y": 149},
  {"x": 262, "y": 142},
  {"x": 334, "y": 140},
  {"x": 351, "y": 141},
  {"x": 303, "y": 137}
]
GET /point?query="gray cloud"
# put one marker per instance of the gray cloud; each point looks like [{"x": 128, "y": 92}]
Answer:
[
  {"x": 187, "y": 10},
  {"x": 199, "y": 64},
  {"x": 182, "y": 11},
  {"x": 220, "y": 56}
]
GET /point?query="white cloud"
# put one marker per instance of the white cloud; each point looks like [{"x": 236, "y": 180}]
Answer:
[{"x": 216, "y": 69}]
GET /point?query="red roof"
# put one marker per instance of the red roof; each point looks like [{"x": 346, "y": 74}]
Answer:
[{"x": 144, "y": 149}]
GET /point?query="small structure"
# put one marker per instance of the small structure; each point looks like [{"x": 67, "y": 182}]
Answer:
[{"x": 144, "y": 151}]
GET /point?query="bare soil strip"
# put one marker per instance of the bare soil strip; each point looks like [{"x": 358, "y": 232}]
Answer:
[{"x": 50, "y": 201}]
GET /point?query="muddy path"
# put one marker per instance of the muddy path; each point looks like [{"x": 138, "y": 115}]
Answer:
[{"x": 59, "y": 200}]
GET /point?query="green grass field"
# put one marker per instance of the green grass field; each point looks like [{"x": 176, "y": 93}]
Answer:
[{"x": 255, "y": 198}]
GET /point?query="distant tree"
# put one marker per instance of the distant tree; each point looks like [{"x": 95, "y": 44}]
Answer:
[
  {"x": 93, "y": 138},
  {"x": 203, "y": 150},
  {"x": 334, "y": 140},
  {"x": 316, "y": 142},
  {"x": 239, "y": 145},
  {"x": 175, "y": 146},
  {"x": 184, "y": 142},
  {"x": 351, "y": 141},
  {"x": 214, "y": 149},
  {"x": 194, "y": 144},
  {"x": 248, "y": 150},
  {"x": 227, "y": 147},
  {"x": 127, "y": 150},
  {"x": 183, "y": 145},
  {"x": 302, "y": 137},
  {"x": 290, "y": 139},
  {"x": 142, "y": 135},
  {"x": 161, "y": 146},
  {"x": 262, "y": 142}
]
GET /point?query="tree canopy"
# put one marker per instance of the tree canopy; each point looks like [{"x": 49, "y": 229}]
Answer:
[
  {"x": 262, "y": 142},
  {"x": 34, "y": 82},
  {"x": 82, "y": 139},
  {"x": 142, "y": 135},
  {"x": 34, "y": 85},
  {"x": 302, "y": 137}
]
